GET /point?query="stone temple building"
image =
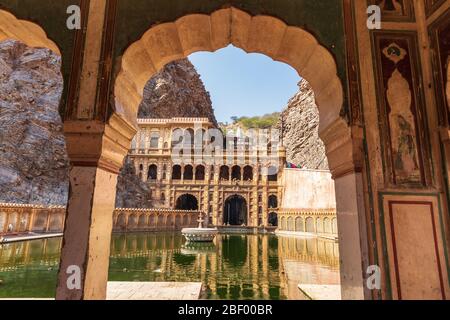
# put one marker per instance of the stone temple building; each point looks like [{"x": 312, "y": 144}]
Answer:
[
  {"x": 381, "y": 76},
  {"x": 237, "y": 184}
]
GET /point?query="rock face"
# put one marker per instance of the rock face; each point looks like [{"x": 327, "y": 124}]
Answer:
[
  {"x": 299, "y": 126},
  {"x": 176, "y": 91},
  {"x": 131, "y": 191},
  {"x": 33, "y": 161}
]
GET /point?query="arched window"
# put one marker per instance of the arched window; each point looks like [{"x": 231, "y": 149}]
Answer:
[
  {"x": 177, "y": 137},
  {"x": 236, "y": 173},
  {"x": 188, "y": 172},
  {"x": 283, "y": 224},
  {"x": 327, "y": 225},
  {"x": 163, "y": 196},
  {"x": 290, "y": 224},
  {"x": 247, "y": 143},
  {"x": 152, "y": 172},
  {"x": 273, "y": 201},
  {"x": 176, "y": 172},
  {"x": 273, "y": 219},
  {"x": 154, "y": 140},
  {"x": 189, "y": 138},
  {"x": 224, "y": 173},
  {"x": 310, "y": 225},
  {"x": 200, "y": 135},
  {"x": 319, "y": 225},
  {"x": 200, "y": 173},
  {"x": 299, "y": 227},
  {"x": 272, "y": 174},
  {"x": 334, "y": 226},
  {"x": 248, "y": 173}
]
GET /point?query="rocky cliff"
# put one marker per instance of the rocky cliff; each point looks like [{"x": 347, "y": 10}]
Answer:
[
  {"x": 131, "y": 191},
  {"x": 176, "y": 91},
  {"x": 299, "y": 127},
  {"x": 33, "y": 160},
  {"x": 34, "y": 167}
]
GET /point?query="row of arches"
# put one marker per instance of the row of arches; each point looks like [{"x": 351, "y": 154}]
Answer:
[
  {"x": 188, "y": 172},
  {"x": 146, "y": 221},
  {"x": 191, "y": 139},
  {"x": 226, "y": 173},
  {"x": 199, "y": 173},
  {"x": 309, "y": 225},
  {"x": 41, "y": 221}
]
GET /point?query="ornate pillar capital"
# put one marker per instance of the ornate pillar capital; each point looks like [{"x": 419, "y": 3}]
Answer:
[{"x": 96, "y": 144}]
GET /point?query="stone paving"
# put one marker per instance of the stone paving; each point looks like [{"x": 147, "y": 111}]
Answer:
[
  {"x": 154, "y": 290},
  {"x": 321, "y": 291}
]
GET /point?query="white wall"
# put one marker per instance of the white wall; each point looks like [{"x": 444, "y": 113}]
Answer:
[{"x": 308, "y": 189}]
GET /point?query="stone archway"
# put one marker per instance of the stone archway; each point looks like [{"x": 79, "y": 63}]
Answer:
[
  {"x": 235, "y": 211},
  {"x": 273, "y": 219},
  {"x": 187, "y": 202},
  {"x": 267, "y": 35},
  {"x": 24, "y": 31},
  {"x": 294, "y": 46}
]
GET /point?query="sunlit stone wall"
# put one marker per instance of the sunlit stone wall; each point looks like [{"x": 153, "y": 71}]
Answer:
[{"x": 309, "y": 203}]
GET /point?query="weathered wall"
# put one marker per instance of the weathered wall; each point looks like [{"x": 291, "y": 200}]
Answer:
[{"x": 308, "y": 189}]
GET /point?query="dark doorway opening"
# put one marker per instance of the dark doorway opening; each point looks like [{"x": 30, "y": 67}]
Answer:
[
  {"x": 176, "y": 172},
  {"x": 188, "y": 172},
  {"x": 235, "y": 211},
  {"x": 187, "y": 202},
  {"x": 273, "y": 219},
  {"x": 273, "y": 202},
  {"x": 152, "y": 172},
  {"x": 236, "y": 173},
  {"x": 200, "y": 173}
]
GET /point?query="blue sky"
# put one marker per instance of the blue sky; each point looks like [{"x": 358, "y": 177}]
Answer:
[{"x": 244, "y": 84}]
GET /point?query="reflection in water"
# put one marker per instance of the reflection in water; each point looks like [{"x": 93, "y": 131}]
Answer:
[{"x": 236, "y": 267}]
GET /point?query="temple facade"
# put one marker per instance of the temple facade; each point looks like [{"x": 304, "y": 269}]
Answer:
[{"x": 233, "y": 183}]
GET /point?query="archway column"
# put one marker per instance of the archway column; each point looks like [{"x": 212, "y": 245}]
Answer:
[
  {"x": 96, "y": 153},
  {"x": 344, "y": 147}
]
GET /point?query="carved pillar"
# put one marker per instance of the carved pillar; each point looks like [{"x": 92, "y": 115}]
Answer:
[
  {"x": 96, "y": 152},
  {"x": 345, "y": 155}
]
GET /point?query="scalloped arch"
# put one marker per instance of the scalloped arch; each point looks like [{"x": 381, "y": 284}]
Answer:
[
  {"x": 25, "y": 31},
  {"x": 267, "y": 35}
]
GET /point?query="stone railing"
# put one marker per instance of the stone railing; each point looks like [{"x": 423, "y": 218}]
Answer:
[
  {"x": 320, "y": 222},
  {"x": 23, "y": 218},
  {"x": 153, "y": 219}
]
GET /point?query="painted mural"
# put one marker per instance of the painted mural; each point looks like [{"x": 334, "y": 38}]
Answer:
[
  {"x": 432, "y": 5},
  {"x": 393, "y": 10},
  {"x": 400, "y": 115}
]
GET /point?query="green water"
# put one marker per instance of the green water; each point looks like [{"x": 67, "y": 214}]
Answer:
[{"x": 235, "y": 267}]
